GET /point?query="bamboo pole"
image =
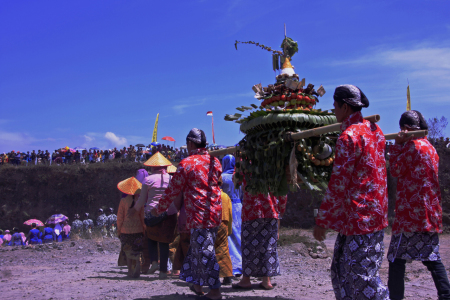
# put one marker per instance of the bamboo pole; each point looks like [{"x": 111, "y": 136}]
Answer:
[
  {"x": 322, "y": 130},
  {"x": 298, "y": 135},
  {"x": 418, "y": 133}
]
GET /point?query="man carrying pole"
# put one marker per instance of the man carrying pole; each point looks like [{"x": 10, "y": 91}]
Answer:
[{"x": 355, "y": 203}]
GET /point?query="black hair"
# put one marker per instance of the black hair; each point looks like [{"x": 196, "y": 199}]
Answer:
[
  {"x": 202, "y": 143},
  {"x": 341, "y": 102},
  {"x": 413, "y": 118},
  {"x": 33, "y": 225}
]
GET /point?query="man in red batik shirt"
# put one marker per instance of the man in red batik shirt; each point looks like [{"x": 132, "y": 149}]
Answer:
[
  {"x": 197, "y": 179},
  {"x": 355, "y": 203},
  {"x": 418, "y": 211}
]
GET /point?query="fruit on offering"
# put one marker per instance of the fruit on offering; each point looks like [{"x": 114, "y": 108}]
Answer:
[{"x": 286, "y": 106}]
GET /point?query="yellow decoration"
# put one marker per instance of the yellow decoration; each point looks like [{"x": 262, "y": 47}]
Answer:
[
  {"x": 286, "y": 64},
  {"x": 408, "y": 99},
  {"x": 155, "y": 130}
]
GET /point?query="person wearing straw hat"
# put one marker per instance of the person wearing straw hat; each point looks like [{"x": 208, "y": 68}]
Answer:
[
  {"x": 196, "y": 179},
  {"x": 130, "y": 229},
  {"x": 355, "y": 203},
  {"x": 162, "y": 232},
  {"x": 418, "y": 211}
]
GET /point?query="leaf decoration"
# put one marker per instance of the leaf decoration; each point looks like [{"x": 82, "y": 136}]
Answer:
[
  {"x": 289, "y": 46},
  {"x": 264, "y": 47}
]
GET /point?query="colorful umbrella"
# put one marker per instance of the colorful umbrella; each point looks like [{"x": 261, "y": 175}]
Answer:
[
  {"x": 64, "y": 150},
  {"x": 155, "y": 144},
  {"x": 31, "y": 221},
  {"x": 168, "y": 138},
  {"x": 55, "y": 219}
]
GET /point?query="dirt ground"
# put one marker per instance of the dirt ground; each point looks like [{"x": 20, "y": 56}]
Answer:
[{"x": 87, "y": 269}]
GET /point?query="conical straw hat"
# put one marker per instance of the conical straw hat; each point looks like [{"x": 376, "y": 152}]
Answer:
[
  {"x": 171, "y": 169},
  {"x": 157, "y": 160},
  {"x": 130, "y": 186},
  {"x": 286, "y": 64}
]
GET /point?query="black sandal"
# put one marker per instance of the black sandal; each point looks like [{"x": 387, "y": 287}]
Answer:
[{"x": 192, "y": 288}]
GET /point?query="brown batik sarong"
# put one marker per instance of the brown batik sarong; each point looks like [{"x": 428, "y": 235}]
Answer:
[{"x": 222, "y": 251}]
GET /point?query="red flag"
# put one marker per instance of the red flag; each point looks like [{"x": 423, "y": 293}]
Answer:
[{"x": 209, "y": 113}]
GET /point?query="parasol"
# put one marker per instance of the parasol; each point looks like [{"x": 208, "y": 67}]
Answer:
[
  {"x": 94, "y": 148},
  {"x": 140, "y": 145},
  {"x": 64, "y": 150},
  {"x": 155, "y": 144},
  {"x": 170, "y": 139},
  {"x": 55, "y": 219},
  {"x": 31, "y": 221},
  {"x": 79, "y": 148}
]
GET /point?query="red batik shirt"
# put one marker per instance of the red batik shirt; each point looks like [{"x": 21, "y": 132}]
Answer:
[
  {"x": 418, "y": 204},
  {"x": 356, "y": 199},
  {"x": 197, "y": 178},
  {"x": 262, "y": 206}
]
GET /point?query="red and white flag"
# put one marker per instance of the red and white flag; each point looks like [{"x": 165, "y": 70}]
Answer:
[{"x": 209, "y": 113}]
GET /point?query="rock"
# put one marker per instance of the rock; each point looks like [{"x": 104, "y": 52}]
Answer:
[
  {"x": 72, "y": 244},
  {"x": 314, "y": 255},
  {"x": 80, "y": 248},
  {"x": 319, "y": 248}
]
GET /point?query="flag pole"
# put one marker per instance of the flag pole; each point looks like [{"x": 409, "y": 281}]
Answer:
[{"x": 212, "y": 118}]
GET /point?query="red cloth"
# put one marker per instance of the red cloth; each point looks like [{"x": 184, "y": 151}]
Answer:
[
  {"x": 356, "y": 199},
  {"x": 417, "y": 208},
  {"x": 197, "y": 177},
  {"x": 262, "y": 206}
]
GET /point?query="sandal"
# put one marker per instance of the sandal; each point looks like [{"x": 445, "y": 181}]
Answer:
[
  {"x": 239, "y": 287},
  {"x": 192, "y": 288}
]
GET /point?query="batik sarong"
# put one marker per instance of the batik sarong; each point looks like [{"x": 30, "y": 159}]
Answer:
[
  {"x": 355, "y": 267},
  {"x": 421, "y": 246},
  {"x": 222, "y": 252},
  {"x": 182, "y": 250},
  {"x": 234, "y": 240},
  {"x": 259, "y": 248},
  {"x": 132, "y": 245},
  {"x": 200, "y": 265}
]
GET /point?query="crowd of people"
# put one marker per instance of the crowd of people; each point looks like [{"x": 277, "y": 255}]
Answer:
[
  {"x": 217, "y": 230},
  {"x": 105, "y": 225},
  {"x": 88, "y": 156}
]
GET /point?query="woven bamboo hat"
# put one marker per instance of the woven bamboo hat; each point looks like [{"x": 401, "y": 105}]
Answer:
[
  {"x": 171, "y": 169},
  {"x": 157, "y": 160},
  {"x": 130, "y": 186}
]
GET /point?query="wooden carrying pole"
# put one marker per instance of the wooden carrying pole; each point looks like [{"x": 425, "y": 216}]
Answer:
[
  {"x": 418, "y": 133},
  {"x": 318, "y": 131}
]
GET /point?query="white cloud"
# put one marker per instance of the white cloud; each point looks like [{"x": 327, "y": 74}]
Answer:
[
  {"x": 115, "y": 140},
  {"x": 429, "y": 65}
]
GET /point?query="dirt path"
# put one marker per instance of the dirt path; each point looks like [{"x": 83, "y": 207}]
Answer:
[{"x": 86, "y": 269}]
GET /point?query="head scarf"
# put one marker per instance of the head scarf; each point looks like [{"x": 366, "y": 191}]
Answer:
[
  {"x": 413, "y": 119},
  {"x": 228, "y": 163},
  {"x": 195, "y": 136},
  {"x": 141, "y": 174},
  {"x": 351, "y": 95}
]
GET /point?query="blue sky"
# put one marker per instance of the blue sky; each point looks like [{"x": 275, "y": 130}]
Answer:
[{"x": 96, "y": 73}]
